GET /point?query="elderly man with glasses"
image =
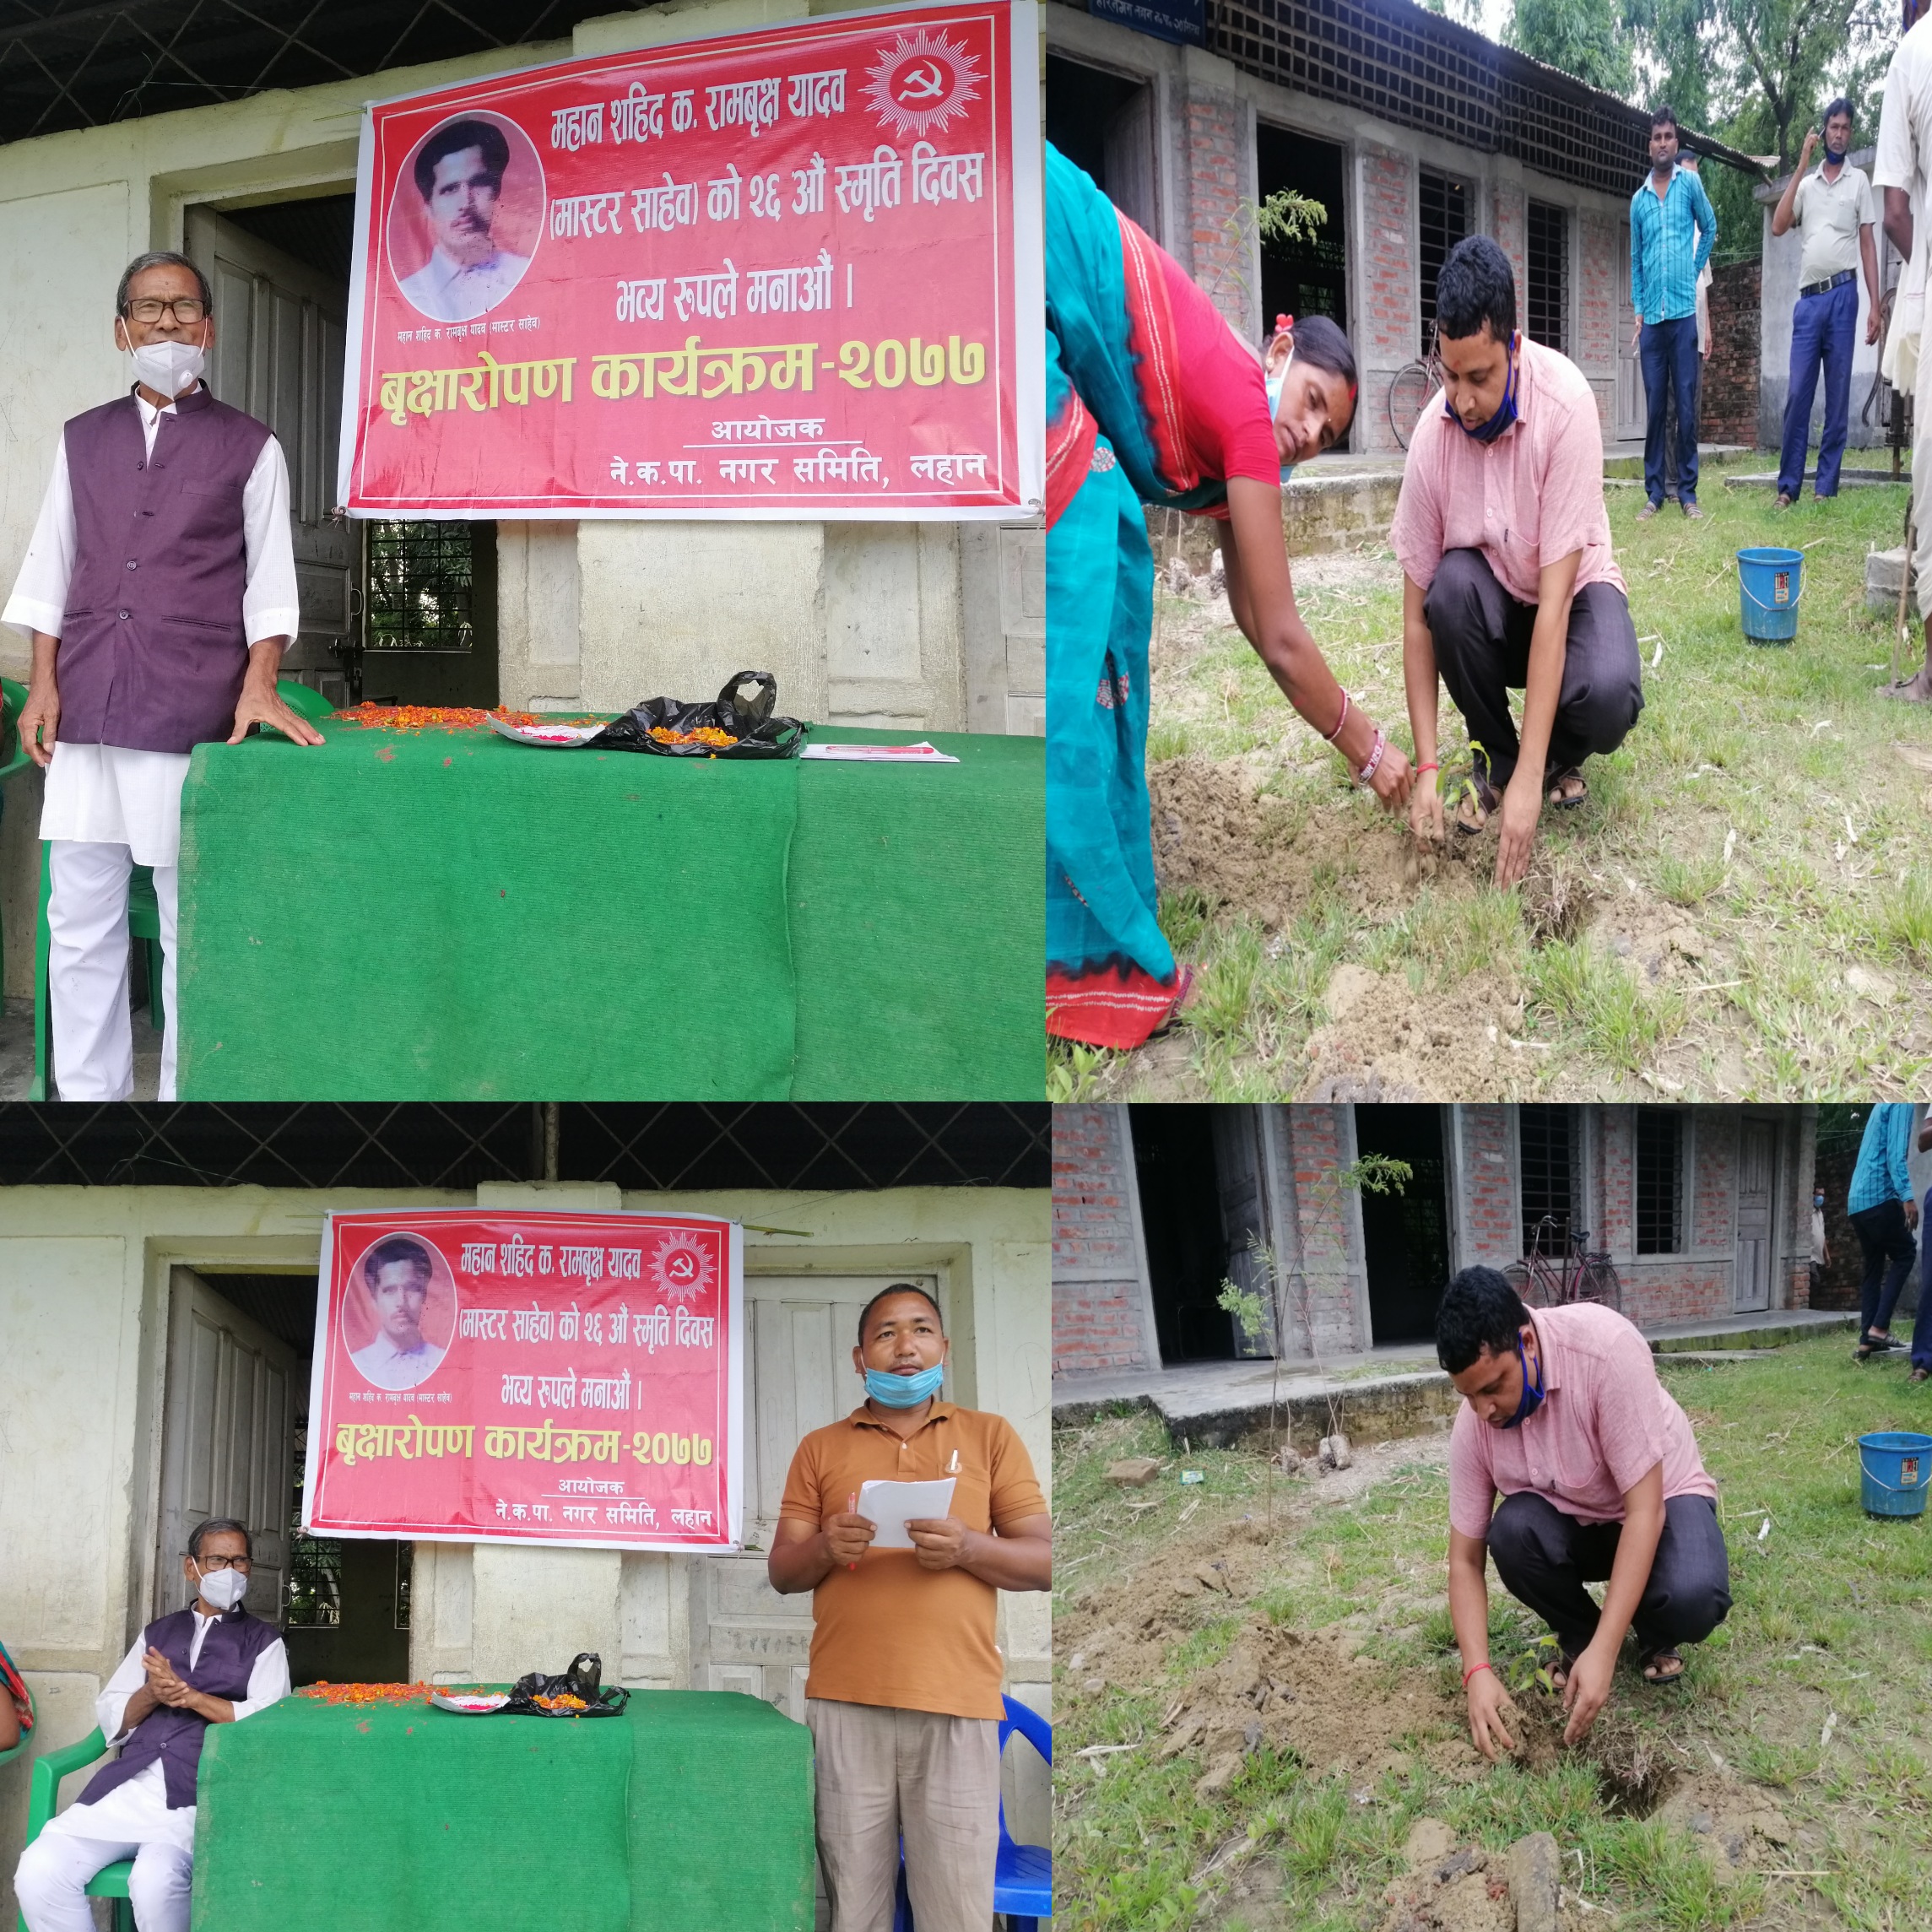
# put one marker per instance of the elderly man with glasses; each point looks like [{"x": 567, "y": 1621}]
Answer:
[
  {"x": 210, "y": 1664},
  {"x": 160, "y": 592}
]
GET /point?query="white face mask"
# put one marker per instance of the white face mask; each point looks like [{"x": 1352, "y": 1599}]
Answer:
[
  {"x": 1275, "y": 387},
  {"x": 169, "y": 367},
  {"x": 223, "y": 1588}
]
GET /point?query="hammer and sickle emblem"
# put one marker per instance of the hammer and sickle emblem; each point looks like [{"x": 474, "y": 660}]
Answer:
[{"x": 926, "y": 82}]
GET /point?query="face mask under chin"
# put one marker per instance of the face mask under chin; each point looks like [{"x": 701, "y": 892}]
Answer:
[{"x": 903, "y": 1391}]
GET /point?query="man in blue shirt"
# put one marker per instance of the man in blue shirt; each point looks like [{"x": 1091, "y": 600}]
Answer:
[
  {"x": 1883, "y": 1214},
  {"x": 1672, "y": 231}
]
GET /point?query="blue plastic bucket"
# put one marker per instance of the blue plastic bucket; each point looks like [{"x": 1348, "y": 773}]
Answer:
[
  {"x": 1894, "y": 1468},
  {"x": 1770, "y": 582}
]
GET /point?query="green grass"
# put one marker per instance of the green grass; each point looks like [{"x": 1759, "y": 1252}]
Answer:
[
  {"x": 1828, "y": 1616},
  {"x": 1759, "y": 802}
]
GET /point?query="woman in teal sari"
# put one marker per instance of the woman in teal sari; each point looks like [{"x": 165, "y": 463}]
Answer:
[{"x": 1152, "y": 399}]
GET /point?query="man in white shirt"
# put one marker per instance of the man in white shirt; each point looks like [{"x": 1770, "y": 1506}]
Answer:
[
  {"x": 459, "y": 173},
  {"x": 1901, "y": 172},
  {"x": 1833, "y": 210},
  {"x": 159, "y": 591},
  {"x": 212, "y": 1664},
  {"x": 397, "y": 1273}
]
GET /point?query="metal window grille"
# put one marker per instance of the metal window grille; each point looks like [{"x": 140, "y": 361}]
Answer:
[
  {"x": 1406, "y": 65},
  {"x": 1445, "y": 221},
  {"x": 1547, "y": 1177},
  {"x": 1549, "y": 266},
  {"x": 314, "y": 1563},
  {"x": 1659, "y": 1180},
  {"x": 419, "y": 581},
  {"x": 405, "y": 1566}
]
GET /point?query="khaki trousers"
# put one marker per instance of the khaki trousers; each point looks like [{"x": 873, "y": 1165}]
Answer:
[{"x": 934, "y": 1780}]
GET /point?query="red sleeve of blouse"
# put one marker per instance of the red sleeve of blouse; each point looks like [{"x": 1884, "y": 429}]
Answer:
[{"x": 1228, "y": 425}]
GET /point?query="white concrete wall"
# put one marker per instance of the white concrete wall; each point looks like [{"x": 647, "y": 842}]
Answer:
[
  {"x": 83, "y": 1289},
  {"x": 931, "y": 627}
]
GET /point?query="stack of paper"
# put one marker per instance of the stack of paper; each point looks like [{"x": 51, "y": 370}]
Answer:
[{"x": 890, "y": 1506}]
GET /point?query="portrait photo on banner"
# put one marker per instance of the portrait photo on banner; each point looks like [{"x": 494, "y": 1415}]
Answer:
[
  {"x": 465, "y": 216},
  {"x": 396, "y": 1329}
]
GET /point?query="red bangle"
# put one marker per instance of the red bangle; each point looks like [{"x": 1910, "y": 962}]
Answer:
[
  {"x": 1471, "y": 1672},
  {"x": 1430, "y": 766}
]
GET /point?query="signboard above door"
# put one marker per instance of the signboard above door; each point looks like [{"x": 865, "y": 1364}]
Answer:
[{"x": 788, "y": 273}]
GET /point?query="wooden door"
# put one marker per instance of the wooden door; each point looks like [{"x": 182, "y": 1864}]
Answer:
[
  {"x": 279, "y": 354},
  {"x": 745, "y": 1635},
  {"x": 1756, "y": 1142},
  {"x": 227, "y": 1441},
  {"x": 1244, "y": 1220}
]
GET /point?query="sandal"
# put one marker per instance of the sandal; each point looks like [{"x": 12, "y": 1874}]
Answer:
[
  {"x": 1565, "y": 801},
  {"x": 1651, "y": 1667},
  {"x": 1559, "y": 1673},
  {"x": 1486, "y": 799}
]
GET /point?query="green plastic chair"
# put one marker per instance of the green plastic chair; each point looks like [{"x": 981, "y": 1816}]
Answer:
[
  {"x": 144, "y": 909},
  {"x": 110, "y": 1881}
]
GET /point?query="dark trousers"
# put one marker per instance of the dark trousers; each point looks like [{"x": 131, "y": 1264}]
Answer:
[
  {"x": 1670, "y": 488},
  {"x": 1481, "y": 636},
  {"x": 1668, "y": 352},
  {"x": 1889, "y": 1251},
  {"x": 1545, "y": 1558},
  {"x": 1922, "y": 1322},
  {"x": 1822, "y": 328}
]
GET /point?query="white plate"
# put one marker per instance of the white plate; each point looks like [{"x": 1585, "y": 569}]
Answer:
[
  {"x": 553, "y": 737},
  {"x": 470, "y": 1707}
]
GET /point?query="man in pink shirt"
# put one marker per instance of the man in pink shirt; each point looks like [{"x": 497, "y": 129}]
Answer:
[
  {"x": 1600, "y": 1474},
  {"x": 1508, "y": 582}
]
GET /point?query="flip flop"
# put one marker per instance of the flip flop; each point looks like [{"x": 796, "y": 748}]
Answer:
[
  {"x": 1488, "y": 799},
  {"x": 1554, "y": 794},
  {"x": 1644, "y": 1665}
]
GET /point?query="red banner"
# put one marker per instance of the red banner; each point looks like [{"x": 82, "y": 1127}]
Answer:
[
  {"x": 790, "y": 273},
  {"x": 540, "y": 1376}
]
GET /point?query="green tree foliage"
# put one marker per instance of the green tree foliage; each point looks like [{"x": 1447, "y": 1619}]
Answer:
[
  {"x": 1787, "y": 57},
  {"x": 1590, "y": 39}
]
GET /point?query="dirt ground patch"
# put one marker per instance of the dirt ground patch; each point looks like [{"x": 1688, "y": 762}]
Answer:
[{"x": 1383, "y": 1040}]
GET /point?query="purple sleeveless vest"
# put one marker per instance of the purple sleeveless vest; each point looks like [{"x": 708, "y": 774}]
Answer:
[
  {"x": 152, "y": 647},
  {"x": 228, "y": 1654}
]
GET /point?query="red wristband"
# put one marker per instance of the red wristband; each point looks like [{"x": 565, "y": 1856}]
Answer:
[
  {"x": 1430, "y": 766},
  {"x": 1471, "y": 1672}
]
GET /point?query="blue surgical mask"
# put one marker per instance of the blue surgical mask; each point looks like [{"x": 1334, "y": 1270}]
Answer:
[
  {"x": 1274, "y": 384},
  {"x": 1532, "y": 1398},
  {"x": 1834, "y": 156},
  {"x": 1505, "y": 410},
  {"x": 903, "y": 1391}
]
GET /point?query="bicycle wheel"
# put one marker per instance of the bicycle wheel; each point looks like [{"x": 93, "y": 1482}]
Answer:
[
  {"x": 1596, "y": 1281},
  {"x": 1535, "y": 1281},
  {"x": 1408, "y": 396}
]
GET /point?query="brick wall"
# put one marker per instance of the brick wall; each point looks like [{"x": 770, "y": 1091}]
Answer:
[
  {"x": 1713, "y": 1184},
  {"x": 1509, "y": 221},
  {"x": 1616, "y": 1181},
  {"x": 1728, "y": 409},
  {"x": 1218, "y": 147},
  {"x": 1386, "y": 334},
  {"x": 1322, "y": 1218},
  {"x": 1099, "y": 1308},
  {"x": 1491, "y": 1227},
  {"x": 1673, "y": 1290},
  {"x": 1596, "y": 302}
]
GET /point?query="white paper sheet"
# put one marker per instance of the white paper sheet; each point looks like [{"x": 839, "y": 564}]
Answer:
[
  {"x": 892, "y": 1505},
  {"x": 919, "y": 754}
]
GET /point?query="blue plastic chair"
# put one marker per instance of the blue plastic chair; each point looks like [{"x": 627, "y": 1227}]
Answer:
[
  {"x": 1023, "y": 1874},
  {"x": 110, "y": 1881}
]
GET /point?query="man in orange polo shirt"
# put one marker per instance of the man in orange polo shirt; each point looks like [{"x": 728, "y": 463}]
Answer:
[{"x": 903, "y": 1696}]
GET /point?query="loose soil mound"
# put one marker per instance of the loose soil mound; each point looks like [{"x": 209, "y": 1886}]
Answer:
[{"x": 1383, "y": 1040}]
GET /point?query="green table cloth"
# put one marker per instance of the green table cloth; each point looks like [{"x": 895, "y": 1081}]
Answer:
[
  {"x": 692, "y": 1813},
  {"x": 451, "y": 916}
]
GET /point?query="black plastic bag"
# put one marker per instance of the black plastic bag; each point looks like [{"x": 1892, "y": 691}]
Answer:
[
  {"x": 584, "y": 1679},
  {"x": 745, "y": 709}
]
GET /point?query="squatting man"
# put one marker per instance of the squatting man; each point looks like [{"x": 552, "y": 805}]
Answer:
[
  {"x": 1562, "y": 1413},
  {"x": 210, "y": 1664}
]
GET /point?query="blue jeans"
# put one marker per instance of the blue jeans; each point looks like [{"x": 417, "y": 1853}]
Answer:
[
  {"x": 1822, "y": 330},
  {"x": 1668, "y": 351}
]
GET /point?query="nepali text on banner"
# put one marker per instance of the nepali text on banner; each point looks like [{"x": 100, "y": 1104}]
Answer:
[
  {"x": 793, "y": 273},
  {"x": 543, "y": 1377}
]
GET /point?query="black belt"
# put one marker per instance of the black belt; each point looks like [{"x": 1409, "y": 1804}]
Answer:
[{"x": 1837, "y": 281}]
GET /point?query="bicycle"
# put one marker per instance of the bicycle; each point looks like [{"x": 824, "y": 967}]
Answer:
[
  {"x": 1409, "y": 395},
  {"x": 1576, "y": 1274}
]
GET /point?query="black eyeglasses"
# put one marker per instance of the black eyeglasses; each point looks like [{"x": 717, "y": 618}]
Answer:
[
  {"x": 186, "y": 309},
  {"x": 213, "y": 1562}
]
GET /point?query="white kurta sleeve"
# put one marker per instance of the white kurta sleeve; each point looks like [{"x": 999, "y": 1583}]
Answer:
[
  {"x": 39, "y": 602},
  {"x": 268, "y": 1681},
  {"x": 270, "y": 607},
  {"x": 111, "y": 1705}
]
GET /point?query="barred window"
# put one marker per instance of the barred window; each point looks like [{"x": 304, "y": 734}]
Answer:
[
  {"x": 420, "y": 581},
  {"x": 1445, "y": 221},
  {"x": 1548, "y": 307},
  {"x": 1547, "y": 1180},
  {"x": 1659, "y": 1180},
  {"x": 314, "y": 1563}
]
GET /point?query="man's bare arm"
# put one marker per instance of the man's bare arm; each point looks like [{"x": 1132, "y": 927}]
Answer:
[
  {"x": 1898, "y": 220},
  {"x": 1549, "y": 645},
  {"x": 41, "y": 716},
  {"x": 1486, "y": 1695}
]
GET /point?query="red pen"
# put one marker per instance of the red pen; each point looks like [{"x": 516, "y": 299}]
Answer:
[{"x": 851, "y": 1509}]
